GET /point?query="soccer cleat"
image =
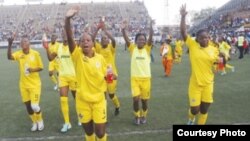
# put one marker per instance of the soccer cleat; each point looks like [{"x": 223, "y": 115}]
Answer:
[
  {"x": 40, "y": 125},
  {"x": 143, "y": 120},
  {"x": 223, "y": 73},
  {"x": 137, "y": 121},
  {"x": 117, "y": 111},
  {"x": 79, "y": 123},
  {"x": 34, "y": 127},
  {"x": 191, "y": 122},
  {"x": 55, "y": 87},
  {"x": 233, "y": 69},
  {"x": 66, "y": 127}
]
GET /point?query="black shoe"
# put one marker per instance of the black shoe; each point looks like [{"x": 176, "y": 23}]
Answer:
[{"x": 117, "y": 111}]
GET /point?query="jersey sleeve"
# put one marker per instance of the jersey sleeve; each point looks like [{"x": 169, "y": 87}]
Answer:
[
  {"x": 189, "y": 42},
  {"x": 16, "y": 56}
]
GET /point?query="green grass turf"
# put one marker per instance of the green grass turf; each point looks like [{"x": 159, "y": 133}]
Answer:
[{"x": 168, "y": 104}]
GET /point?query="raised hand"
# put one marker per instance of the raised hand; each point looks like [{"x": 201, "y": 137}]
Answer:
[
  {"x": 10, "y": 40},
  {"x": 9, "y": 53},
  {"x": 183, "y": 10},
  {"x": 124, "y": 24},
  {"x": 73, "y": 11},
  {"x": 45, "y": 44},
  {"x": 103, "y": 26},
  {"x": 100, "y": 25}
]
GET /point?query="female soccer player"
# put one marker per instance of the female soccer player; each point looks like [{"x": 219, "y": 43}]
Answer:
[
  {"x": 30, "y": 64},
  {"x": 67, "y": 78},
  {"x": 202, "y": 58},
  {"x": 91, "y": 84},
  {"x": 224, "y": 49},
  {"x": 178, "y": 50},
  {"x": 108, "y": 51},
  {"x": 140, "y": 71},
  {"x": 53, "y": 64}
]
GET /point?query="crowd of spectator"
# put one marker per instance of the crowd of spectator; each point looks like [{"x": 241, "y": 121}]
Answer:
[{"x": 35, "y": 20}]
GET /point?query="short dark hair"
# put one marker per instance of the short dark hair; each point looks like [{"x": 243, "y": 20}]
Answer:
[
  {"x": 25, "y": 36},
  {"x": 91, "y": 35},
  {"x": 140, "y": 34},
  {"x": 198, "y": 33}
]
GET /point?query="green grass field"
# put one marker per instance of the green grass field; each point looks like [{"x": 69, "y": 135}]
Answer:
[{"x": 167, "y": 106}]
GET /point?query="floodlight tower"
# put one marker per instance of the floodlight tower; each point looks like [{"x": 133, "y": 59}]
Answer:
[{"x": 166, "y": 13}]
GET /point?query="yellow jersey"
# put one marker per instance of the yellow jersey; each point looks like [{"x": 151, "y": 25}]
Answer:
[
  {"x": 178, "y": 48},
  {"x": 166, "y": 51},
  {"x": 202, "y": 62},
  {"x": 169, "y": 54},
  {"x": 214, "y": 44},
  {"x": 109, "y": 55},
  {"x": 224, "y": 48},
  {"x": 30, "y": 60},
  {"x": 90, "y": 73},
  {"x": 66, "y": 66},
  {"x": 53, "y": 48},
  {"x": 140, "y": 61}
]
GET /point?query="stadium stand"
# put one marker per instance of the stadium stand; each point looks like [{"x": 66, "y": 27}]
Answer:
[
  {"x": 34, "y": 20},
  {"x": 230, "y": 17}
]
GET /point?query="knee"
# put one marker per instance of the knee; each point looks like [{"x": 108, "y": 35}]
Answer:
[
  {"x": 35, "y": 108},
  {"x": 89, "y": 132},
  {"x": 50, "y": 73},
  {"x": 136, "y": 99},
  {"x": 29, "y": 109},
  {"x": 204, "y": 110},
  {"x": 195, "y": 111},
  {"x": 100, "y": 133},
  {"x": 144, "y": 101},
  {"x": 111, "y": 96}
]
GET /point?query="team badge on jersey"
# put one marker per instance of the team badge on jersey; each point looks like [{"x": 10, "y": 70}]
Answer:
[
  {"x": 80, "y": 116},
  {"x": 98, "y": 64},
  {"x": 32, "y": 58}
]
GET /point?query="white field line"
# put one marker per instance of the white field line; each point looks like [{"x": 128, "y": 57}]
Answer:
[
  {"x": 159, "y": 131},
  {"x": 81, "y": 136}
]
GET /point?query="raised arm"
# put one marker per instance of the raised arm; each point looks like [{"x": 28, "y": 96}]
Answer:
[
  {"x": 9, "y": 52},
  {"x": 70, "y": 13},
  {"x": 51, "y": 55},
  {"x": 151, "y": 32},
  {"x": 124, "y": 34},
  {"x": 97, "y": 30},
  {"x": 109, "y": 36},
  {"x": 183, "y": 29}
]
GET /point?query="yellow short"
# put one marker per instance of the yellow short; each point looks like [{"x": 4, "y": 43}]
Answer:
[
  {"x": 112, "y": 87},
  {"x": 88, "y": 111},
  {"x": 31, "y": 94},
  {"x": 53, "y": 66},
  {"x": 141, "y": 87},
  {"x": 67, "y": 81},
  {"x": 198, "y": 94}
]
